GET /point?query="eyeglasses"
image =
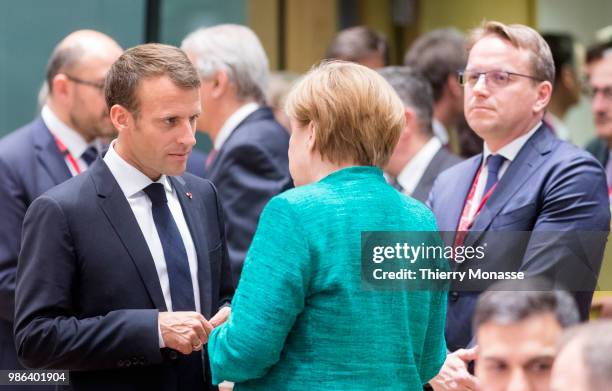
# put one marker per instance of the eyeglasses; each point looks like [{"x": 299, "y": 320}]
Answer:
[
  {"x": 495, "y": 79},
  {"x": 98, "y": 85},
  {"x": 591, "y": 92}
]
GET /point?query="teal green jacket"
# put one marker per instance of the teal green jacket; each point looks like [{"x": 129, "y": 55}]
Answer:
[{"x": 300, "y": 318}]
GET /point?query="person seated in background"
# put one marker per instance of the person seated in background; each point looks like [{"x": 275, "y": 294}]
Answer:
[
  {"x": 360, "y": 44},
  {"x": 418, "y": 157},
  {"x": 517, "y": 327},
  {"x": 568, "y": 57},
  {"x": 300, "y": 318},
  {"x": 248, "y": 163},
  {"x": 584, "y": 362}
]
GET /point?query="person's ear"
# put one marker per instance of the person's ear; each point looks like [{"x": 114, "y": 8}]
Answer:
[
  {"x": 220, "y": 84},
  {"x": 121, "y": 118},
  {"x": 60, "y": 86},
  {"x": 544, "y": 92},
  {"x": 312, "y": 132}
]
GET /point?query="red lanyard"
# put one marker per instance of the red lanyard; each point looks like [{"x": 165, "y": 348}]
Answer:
[
  {"x": 465, "y": 223},
  {"x": 71, "y": 159}
]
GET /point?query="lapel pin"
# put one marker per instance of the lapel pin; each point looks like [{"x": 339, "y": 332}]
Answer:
[{"x": 189, "y": 195}]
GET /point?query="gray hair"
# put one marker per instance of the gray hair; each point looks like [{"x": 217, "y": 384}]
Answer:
[
  {"x": 414, "y": 91},
  {"x": 436, "y": 55},
  {"x": 235, "y": 50},
  {"x": 595, "y": 339},
  {"x": 509, "y": 302}
]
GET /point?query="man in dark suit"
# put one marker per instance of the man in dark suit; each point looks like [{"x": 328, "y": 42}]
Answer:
[
  {"x": 122, "y": 266},
  {"x": 418, "y": 157},
  {"x": 547, "y": 196},
  {"x": 249, "y": 161},
  {"x": 60, "y": 143}
]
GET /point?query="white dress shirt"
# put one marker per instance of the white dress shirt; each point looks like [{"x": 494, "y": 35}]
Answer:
[
  {"x": 412, "y": 172},
  {"x": 440, "y": 131},
  {"x": 132, "y": 182},
  {"x": 232, "y": 122},
  {"x": 72, "y": 140},
  {"x": 509, "y": 151}
]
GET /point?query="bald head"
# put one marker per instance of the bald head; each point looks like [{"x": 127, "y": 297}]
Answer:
[
  {"x": 79, "y": 48},
  {"x": 75, "y": 77}
]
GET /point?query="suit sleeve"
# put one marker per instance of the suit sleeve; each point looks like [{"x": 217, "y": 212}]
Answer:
[
  {"x": 250, "y": 177},
  {"x": 13, "y": 205},
  {"x": 570, "y": 231},
  {"x": 48, "y": 334},
  {"x": 270, "y": 296}
]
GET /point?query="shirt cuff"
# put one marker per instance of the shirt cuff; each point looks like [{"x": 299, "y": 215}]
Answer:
[{"x": 161, "y": 339}]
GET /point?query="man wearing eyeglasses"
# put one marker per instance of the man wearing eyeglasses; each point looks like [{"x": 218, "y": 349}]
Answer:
[
  {"x": 57, "y": 145},
  {"x": 536, "y": 204}
]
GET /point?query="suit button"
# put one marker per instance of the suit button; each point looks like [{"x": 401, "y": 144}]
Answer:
[
  {"x": 173, "y": 355},
  {"x": 454, "y": 296}
]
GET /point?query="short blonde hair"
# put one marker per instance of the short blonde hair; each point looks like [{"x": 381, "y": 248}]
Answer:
[
  {"x": 356, "y": 114},
  {"x": 521, "y": 37}
]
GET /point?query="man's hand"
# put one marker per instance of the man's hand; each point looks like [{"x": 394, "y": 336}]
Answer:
[
  {"x": 220, "y": 317},
  {"x": 454, "y": 375},
  {"x": 184, "y": 331}
]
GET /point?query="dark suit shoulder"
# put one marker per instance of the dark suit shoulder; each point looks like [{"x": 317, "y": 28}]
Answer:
[
  {"x": 260, "y": 128},
  {"x": 14, "y": 144}
]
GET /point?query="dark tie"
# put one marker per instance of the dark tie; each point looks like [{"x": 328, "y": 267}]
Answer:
[
  {"x": 181, "y": 288},
  {"x": 90, "y": 155},
  {"x": 494, "y": 162}
]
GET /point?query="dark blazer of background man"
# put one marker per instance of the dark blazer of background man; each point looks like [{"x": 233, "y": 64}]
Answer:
[
  {"x": 543, "y": 186},
  {"x": 249, "y": 162},
  {"x": 419, "y": 157},
  {"x": 49, "y": 150},
  {"x": 98, "y": 283}
]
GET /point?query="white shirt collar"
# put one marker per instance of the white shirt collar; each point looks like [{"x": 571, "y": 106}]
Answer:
[
  {"x": 233, "y": 121},
  {"x": 130, "y": 179},
  {"x": 72, "y": 140},
  {"x": 440, "y": 131},
  {"x": 510, "y": 150},
  {"x": 413, "y": 171}
]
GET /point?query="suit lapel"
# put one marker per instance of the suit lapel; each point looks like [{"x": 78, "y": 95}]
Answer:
[
  {"x": 526, "y": 163},
  {"x": 117, "y": 210},
  {"x": 194, "y": 216},
  {"x": 48, "y": 154}
]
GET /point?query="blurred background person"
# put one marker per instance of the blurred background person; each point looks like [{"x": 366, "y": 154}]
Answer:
[
  {"x": 248, "y": 163},
  {"x": 439, "y": 55},
  {"x": 584, "y": 362},
  {"x": 517, "y": 326},
  {"x": 278, "y": 89},
  {"x": 568, "y": 56},
  {"x": 418, "y": 156},
  {"x": 300, "y": 317},
  {"x": 517, "y": 329},
  {"x": 360, "y": 44},
  {"x": 60, "y": 143}
]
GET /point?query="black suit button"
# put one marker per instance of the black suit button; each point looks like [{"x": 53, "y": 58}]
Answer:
[
  {"x": 454, "y": 296},
  {"x": 173, "y": 355}
]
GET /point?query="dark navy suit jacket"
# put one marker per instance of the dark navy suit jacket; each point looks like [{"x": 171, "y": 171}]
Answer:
[
  {"x": 251, "y": 167},
  {"x": 30, "y": 164},
  {"x": 196, "y": 164},
  {"x": 88, "y": 294},
  {"x": 551, "y": 189}
]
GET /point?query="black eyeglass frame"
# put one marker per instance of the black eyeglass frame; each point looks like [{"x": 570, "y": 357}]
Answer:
[{"x": 99, "y": 86}]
